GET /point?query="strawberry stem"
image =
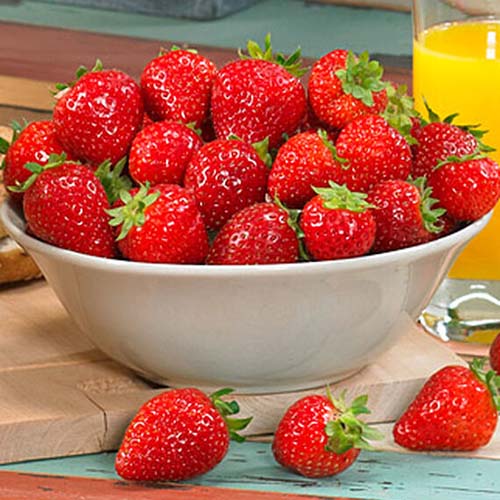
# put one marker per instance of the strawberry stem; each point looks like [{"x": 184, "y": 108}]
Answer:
[
  {"x": 329, "y": 144},
  {"x": 341, "y": 197},
  {"x": 112, "y": 179},
  {"x": 292, "y": 63},
  {"x": 346, "y": 431},
  {"x": 228, "y": 408},
  {"x": 430, "y": 216},
  {"x": 36, "y": 169},
  {"x": 476, "y": 155},
  {"x": 81, "y": 70},
  {"x": 489, "y": 378},
  {"x": 361, "y": 77},
  {"x": 132, "y": 213}
]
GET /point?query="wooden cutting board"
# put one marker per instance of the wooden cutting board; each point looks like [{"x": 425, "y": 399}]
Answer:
[{"x": 60, "y": 396}]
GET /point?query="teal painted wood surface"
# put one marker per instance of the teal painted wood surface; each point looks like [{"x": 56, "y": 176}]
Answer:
[
  {"x": 384, "y": 476},
  {"x": 317, "y": 28}
]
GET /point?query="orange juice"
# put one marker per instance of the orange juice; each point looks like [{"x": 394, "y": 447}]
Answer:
[{"x": 457, "y": 70}]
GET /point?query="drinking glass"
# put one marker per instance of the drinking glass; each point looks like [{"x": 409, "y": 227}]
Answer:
[{"x": 456, "y": 68}]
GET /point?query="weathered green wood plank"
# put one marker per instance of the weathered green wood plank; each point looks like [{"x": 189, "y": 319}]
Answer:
[{"x": 387, "y": 476}]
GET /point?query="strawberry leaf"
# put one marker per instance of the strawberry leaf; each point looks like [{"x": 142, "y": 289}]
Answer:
[
  {"x": 400, "y": 111},
  {"x": 112, "y": 179},
  {"x": 262, "y": 150},
  {"x": 329, "y": 144},
  {"x": 430, "y": 216},
  {"x": 81, "y": 71},
  {"x": 361, "y": 77},
  {"x": 4, "y": 146},
  {"x": 292, "y": 63},
  {"x": 477, "y": 155},
  {"x": 338, "y": 197},
  {"x": 293, "y": 222},
  {"x": 489, "y": 378},
  {"x": 131, "y": 214}
]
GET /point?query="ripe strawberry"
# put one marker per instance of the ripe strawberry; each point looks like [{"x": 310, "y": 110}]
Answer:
[
  {"x": 436, "y": 142},
  {"x": 467, "y": 187},
  {"x": 455, "y": 410},
  {"x": 161, "y": 152},
  {"x": 160, "y": 224},
  {"x": 495, "y": 354},
  {"x": 337, "y": 224},
  {"x": 224, "y": 177},
  {"x": 97, "y": 118},
  {"x": 259, "y": 97},
  {"x": 176, "y": 86},
  {"x": 65, "y": 205},
  {"x": 319, "y": 436},
  {"x": 374, "y": 151},
  {"x": 305, "y": 160},
  {"x": 259, "y": 234},
  {"x": 343, "y": 87},
  {"x": 178, "y": 435},
  {"x": 404, "y": 215},
  {"x": 33, "y": 144}
]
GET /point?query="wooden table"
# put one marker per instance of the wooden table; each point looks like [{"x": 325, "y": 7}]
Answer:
[{"x": 30, "y": 59}]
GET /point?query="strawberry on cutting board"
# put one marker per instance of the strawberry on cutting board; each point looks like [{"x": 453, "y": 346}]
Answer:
[
  {"x": 259, "y": 96},
  {"x": 321, "y": 436},
  {"x": 160, "y": 224},
  {"x": 225, "y": 176},
  {"x": 178, "y": 435},
  {"x": 97, "y": 117},
  {"x": 259, "y": 234},
  {"x": 65, "y": 205},
  {"x": 176, "y": 86},
  {"x": 33, "y": 143},
  {"x": 337, "y": 224},
  {"x": 456, "y": 410},
  {"x": 343, "y": 87}
]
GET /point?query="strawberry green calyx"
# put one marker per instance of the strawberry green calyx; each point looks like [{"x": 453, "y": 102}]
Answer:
[
  {"x": 489, "y": 378},
  {"x": 292, "y": 63},
  {"x": 477, "y": 155},
  {"x": 228, "y": 408},
  {"x": 341, "y": 197},
  {"x": 347, "y": 431},
  {"x": 36, "y": 169},
  {"x": 329, "y": 144},
  {"x": 131, "y": 214},
  {"x": 193, "y": 127},
  {"x": 431, "y": 216},
  {"x": 400, "y": 110},
  {"x": 17, "y": 128},
  {"x": 174, "y": 47},
  {"x": 262, "y": 150},
  {"x": 361, "y": 77},
  {"x": 112, "y": 179},
  {"x": 293, "y": 222},
  {"x": 474, "y": 129},
  {"x": 82, "y": 70}
]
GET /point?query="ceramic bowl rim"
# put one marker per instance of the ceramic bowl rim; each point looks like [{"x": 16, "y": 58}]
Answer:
[{"x": 13, "y": 222}]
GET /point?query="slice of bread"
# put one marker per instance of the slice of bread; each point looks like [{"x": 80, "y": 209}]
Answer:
[{"x": 15, "y": 264}]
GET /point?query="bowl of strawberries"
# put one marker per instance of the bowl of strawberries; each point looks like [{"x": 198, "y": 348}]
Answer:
[{"x": 229, "y": 227}]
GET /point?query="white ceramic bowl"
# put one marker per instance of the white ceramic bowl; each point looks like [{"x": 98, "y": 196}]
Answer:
[{"x": 253, "y": 328}]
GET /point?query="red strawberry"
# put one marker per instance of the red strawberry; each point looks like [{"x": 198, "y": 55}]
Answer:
[
  {"x": 343, "y": 87},
  {"x": 337, "y": 224},
  {"x": 304, "y": 161},
  {"x": 98, "y": 117},
  {"x": 455, "y": 410},
  {"x": 178, "y": 435},
  {"x": 495, "y": 354},
  {"x": 176, "y": 86},
  {"x": 467, "y": 187},
  {"x": 320, "y": 436},
  {"x": 224, "y": 177},
  {"x": 260, "y": 97},
  {"x": 404, "y": 214},
  {"x": 160, "y": 224},
  {"x": 65, "y": 205},
  {"x": 161, "y": 152},
  {"x": 35, "y": 143},
  {"x": 436, "y": 142},
  {"x": 259, "y": 234},
  {"x": 374, "y": 151}
]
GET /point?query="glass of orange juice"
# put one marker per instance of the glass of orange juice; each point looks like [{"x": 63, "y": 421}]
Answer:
[{"x": 456, "y": 69}]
